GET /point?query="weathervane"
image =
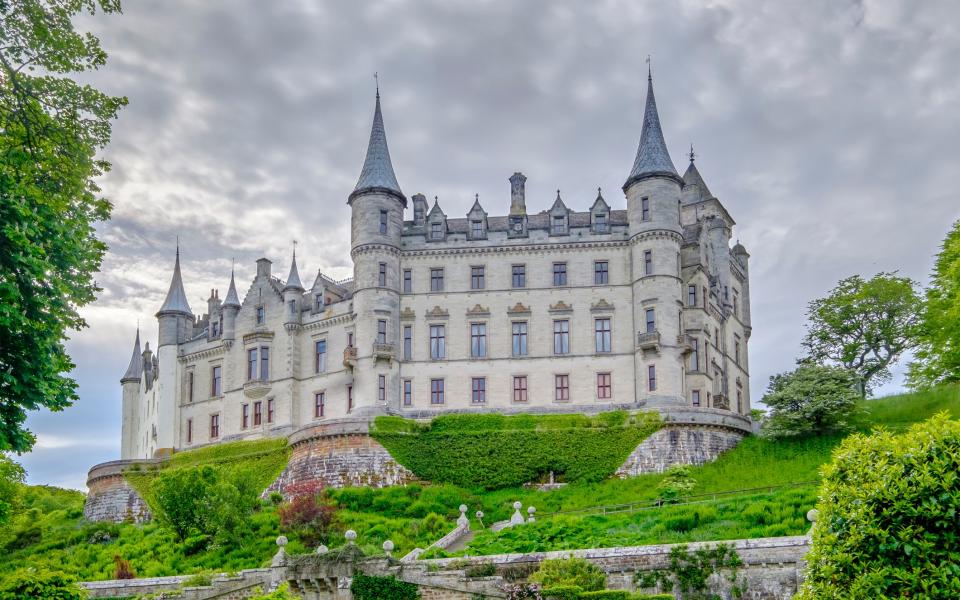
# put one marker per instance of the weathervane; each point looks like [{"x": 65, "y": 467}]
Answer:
[
  {"x": 649, "y": 69},
  {"x": 376, "y": 79},
  {"x": 692, "y": 155}
]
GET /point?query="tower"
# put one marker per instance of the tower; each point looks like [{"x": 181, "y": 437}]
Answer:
[
  {"x": 653, "y": 191},
  {"x": 130, "y": 383},
  {"x": 376, "y": 206},
  {"x": 229, "y": 310},
  {"x": 292, "y": 294},
  {"x": 176, "y": 326}
]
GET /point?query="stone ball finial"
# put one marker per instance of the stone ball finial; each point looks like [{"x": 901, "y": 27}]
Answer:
[
  {"x": 322, "y": 549},
  {"x": 812, "y": 515},
  {"x": 531, "y": 510},
  {"x": 388, "y": 547},
  {"x": 282, "y": 541},
  {"x": 350, "y": 535},
  {"x": 517, "y": 505},
  {"x": 463, "y": 508}
]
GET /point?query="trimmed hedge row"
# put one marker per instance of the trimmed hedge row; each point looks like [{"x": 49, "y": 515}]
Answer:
[{"x": 495, "y": 451}]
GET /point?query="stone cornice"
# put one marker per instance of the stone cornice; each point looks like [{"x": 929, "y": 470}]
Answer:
[
  {"x": 664, "y": 234},
  {"x": 524, "y": 249},
  {"x": 258, "y": 336},
  {"x": 205, "y": 353},
  {"x": 328, "y": 322},
  {"x": 374, "y": 249}
]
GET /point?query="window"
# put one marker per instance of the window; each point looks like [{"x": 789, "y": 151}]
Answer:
[
  {"x": 558, "y": 225},
  {"x": 476, "y": 229},
  {"x": 652, "y": 378},
  {"x": 695, "y": 397},
  {"x": 436, "y": 231},
  {"x": 691, "y": 295},
  {"x": 478, "y": 340},
  {"x": 189, "y": 430},
  {"x": 407, "y": 281},
  {"x": 264, "y": 363},
  {"x": 261, "y": 315},
  {"x": 349, "y": 339},
  {"x": 736, "y": 349},
  {"x": 706, "y": 297},
  {"x": 382, "y": 388},
  {"x": 520, "y": 338},
  {"x": 251, "y": 364},
  {"x": 257, "y": 414},
  {"x": 383, "y": 221},
  {"x": 244, "y": 416},
  {"x": 601, "y": 272},
  {"x": 319, "y": 404},
  {"x": 382, "y": 276},
  {"x": 695, "y": 355},
  {"x": 651, "y": 317},
  {"x": 436, "y": 391},
  {"x": 292, "y": 305},
  {"x": 477, "y": 278},
  {"x": 559, "y": 274},
  {"x": 561, "y": 388},
  {"x": 600, "y": 222},
  {"x": 519, "y": 276},
  {"x": 520, "y": 388},
  {"x": 561, "y": 337},
  {"x": 407, "y": 392},
  {"x": 407, "y": 342},
  {"x": 601, "y": 330},
  {"x": 478, "y": 390},
  {"x": 739, "y": 399},
  {"x": 190, "y": 386},
  {"x": 736, "y": 303},
  {"x": 604, "y": 391},
  {"x": 436, "y": 280},
  {"x": 644, "y": 209},
  {"x": 270, "y": 409},
  {"x": 214, "y": 426},
  {"x": 214, "y": 328},
  {"x": 381, "y": 331},
  {"x": 648, "y": 262},
  {"x": 349, "y": 398},
  {"x": 320, "y": 356},
  {"x": 318, "y": 302},
  {"x": 437, "y": 342}
]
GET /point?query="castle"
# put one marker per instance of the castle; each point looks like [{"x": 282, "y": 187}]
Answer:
[{"x": 557, "y": 310}]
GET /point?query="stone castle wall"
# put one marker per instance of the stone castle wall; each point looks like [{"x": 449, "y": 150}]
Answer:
[{"x": 110, "y": 497}]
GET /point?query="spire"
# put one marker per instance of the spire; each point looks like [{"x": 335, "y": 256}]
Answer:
[
  {"x": 176, "y": 301},
  {"x": 652, "y": 156},
  {"x": 232, "y": 299},
  {"x": 377, "y": 173},
  {"x": 476, "y": 205},
  {"x": 135, "y": 368},
  {"x": 293, "y": 279},
  {"x": 692, "y": 177},
  {"x": 599, "y": 203},
  {"x": 558, "y": 204}
]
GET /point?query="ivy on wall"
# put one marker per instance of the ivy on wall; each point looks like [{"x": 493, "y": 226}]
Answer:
[{"x": 494, "y": 451}]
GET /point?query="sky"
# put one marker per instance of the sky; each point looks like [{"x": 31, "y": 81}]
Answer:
[{"x": 827, "y": 128}]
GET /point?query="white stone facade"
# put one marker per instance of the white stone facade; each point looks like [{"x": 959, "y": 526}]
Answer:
[{"x": 573, "y": 325}]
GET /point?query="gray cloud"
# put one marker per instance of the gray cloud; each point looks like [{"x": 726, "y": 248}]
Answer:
[{"x": 827, "y": 128}]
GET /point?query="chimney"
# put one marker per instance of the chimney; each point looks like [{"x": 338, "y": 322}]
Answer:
[
  {"x": 263, "y": 268},
  {"x": 518, "y": 203}
]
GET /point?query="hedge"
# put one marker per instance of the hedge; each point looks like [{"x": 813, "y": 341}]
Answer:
[
  {"x": 495, "y": 451},
  {"x": 372, "y": 587}
]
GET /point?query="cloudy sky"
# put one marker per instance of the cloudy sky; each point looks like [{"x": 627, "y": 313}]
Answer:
[{"x": 829, "y": 129}]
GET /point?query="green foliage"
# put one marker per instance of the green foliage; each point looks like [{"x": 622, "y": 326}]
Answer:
[
  {"x": 677, "y": 482},
  {"x": 32, "y": 583},
  {"x": 52, "y": 130},
  {"x": 484, "y": 569},
  {"x": 11, "y": 480},
  {"x": 371, "y": 587},
  {"x": 864, "y": 326},
  {"x": 813, "y": 399},
  {"x": 571, "y": 571},
  {"x": 938, "y": 353},
  {"x": 623, "y": 595},
  {"x": 203, "y": 579},
  {"x": 562, "y": 592},
  {"x": 281, "y": 593},
  {"x": 309, "y": 514},
  {"x": 887, "y": 525},
  {"x": 494, "y": 451}
]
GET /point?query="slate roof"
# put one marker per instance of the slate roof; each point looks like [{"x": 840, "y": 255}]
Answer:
[
  {"x": 692, "y": 177},
  {"x": 135, "y": 368},
  {"x": 232, "y": 298},
  {"x": 176, "y": 300},
  {"x": 652, "y": 156},
  {"x": 293, "y": 279},
  {"x": 377, "y": 172}
]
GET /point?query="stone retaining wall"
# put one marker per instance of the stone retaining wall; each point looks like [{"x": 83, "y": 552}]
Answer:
[
  {"x": 679, "y": 445},
  {"x": 110, "y": 497}
]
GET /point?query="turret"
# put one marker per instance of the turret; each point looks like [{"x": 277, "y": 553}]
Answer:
[
  {"x": 229, "y": 310},
  {"x": 377, "y": 206},
  {"x": 292, "y": 293},
  {"x": 130, "y": 382},
  {"x": 742, "y": 257},
  {"x": 175, "y": 316},
  {"x": 176, "y": 326}
]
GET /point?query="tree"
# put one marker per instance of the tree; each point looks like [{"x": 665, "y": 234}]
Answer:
[
  {"x": 813, "y": 399},
  {"x": 29, "y": 584},
  {"x": 938, "y": 353},
  {"x": 11, "y": 477},
  {"x": 864, "y": 325},
  {"x": 887, "y": 517},
  {"x": 52, "y": 128}
]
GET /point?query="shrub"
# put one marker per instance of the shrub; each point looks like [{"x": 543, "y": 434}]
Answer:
[
  {"x": 562, "y": 592},
  {"x": 887, "y": 525},
  {"x": 522, "y": 591},
  {"x": 493, "y": 451},
  {"x": 309, "y": 514},
  {"x": 677, "y": 482},
  {"x": 372, "y": 587},
  {"x": 281, "y": 593},
  {"x": 122, "y": 568},
  {"x": 11, "y": 480},
  {"x": 28, "y": 584},
  {"x": 204, "y": 579},
  {"x": 485, "y": 569},
  {"x": 570, "y": 572},
  {"x": 813, "y": 399}
]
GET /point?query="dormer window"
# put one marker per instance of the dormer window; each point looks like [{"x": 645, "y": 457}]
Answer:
[
  {"x": 559, "y": 225},
  {"x": 476, "y": 229},
  {"x": 318, "y": 302},
  {"x": 261, "y": 315},
  {"x": 436, "y": 231},
  {"x": 600, "y": 224}
]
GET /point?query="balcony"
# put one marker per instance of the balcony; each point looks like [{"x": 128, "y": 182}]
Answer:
[
  {"x": 383, "y": 351},
  {"x": 648, "y": 340},
  {"x": 349, "y": 357},
  {"x": 721, "y": 401},
  {"x": 256, "y": 388},
  {"x": 685, "y": 342}
]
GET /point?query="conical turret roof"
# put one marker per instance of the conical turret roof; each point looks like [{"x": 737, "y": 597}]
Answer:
[
  {"x": 692, "y": 177},
  {"x": 135, "y": 368},
  {"x": 176, "y": 301},
  {"x": 377, "y": 173},
  {"x": 232, "y": 298},
  {"x": 293, "y": 279},
  {"x": 653, "y": 159}
]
